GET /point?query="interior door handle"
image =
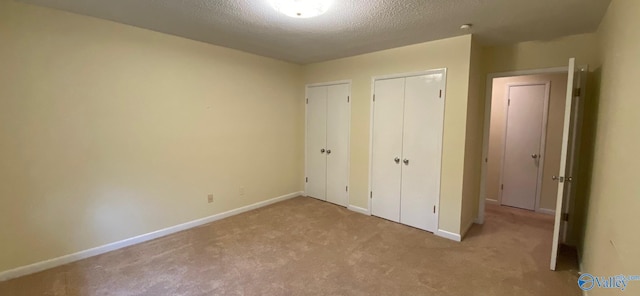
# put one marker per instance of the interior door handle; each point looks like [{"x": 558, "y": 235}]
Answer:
[
  {"x": 322, "y": 150},
  {"x": 406, "y": 161},
  {"x": 397, "y": 159},
  {"x": 534, "y": 156},
  {"x": 328, "y": 151}
]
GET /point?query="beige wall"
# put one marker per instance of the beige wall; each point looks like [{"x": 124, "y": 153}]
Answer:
[
  {"x": 453, "y": 54},
  {"x": 542, "y": 54},
  {"x": 109, "y": 131},
  {"x": 611, "y": 240},
  {"x": 553, "y": 140},
  {"x": 473, "y": 138}
]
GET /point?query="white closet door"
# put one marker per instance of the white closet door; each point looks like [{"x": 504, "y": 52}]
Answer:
[
  {"x": 387, "y": 148},
  {"x": 422, "y": 150},
  {"x": 337, "y": 143},
  {"x": 316, "y": 142}
]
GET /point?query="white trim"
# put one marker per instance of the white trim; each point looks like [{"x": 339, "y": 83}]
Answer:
[
  {"x": 359, "y": 210},
  {"x": 492, "y": 201},
  {"x": 487, "y": 126},
  {"x": 371, "y": 111},
  {"x": 530, "y": 72},
  {"x": 349, "y": 145},
  {"x": 372, "y": 96},
  {"x": 51, "y": 263},
  {"x": 543, "y": 137},
  {"x": 448, "y": 235},
  {"x": 410, "y": 74},
  {"x": 546, "y": 211},
  {"x": 306, "y": 111},
  {"x": 329, "y": 83}
]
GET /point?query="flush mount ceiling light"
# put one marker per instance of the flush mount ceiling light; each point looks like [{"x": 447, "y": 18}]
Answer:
[{"x": 301, "y": 8}]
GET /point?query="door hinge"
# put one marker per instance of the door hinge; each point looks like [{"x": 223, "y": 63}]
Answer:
[
  {"x": 346, "y": 188},
  {"x": 565, "y": 217},
  {"x": 509, "y": 102},
  {"x": 486, "y": 159},
  {"x": 501, "y": 186},
  {"x": 307, "y": 100},
  {"x": 374, "y": 97},
  {"x": 371, "y": 194},
  {"x": 577, "y": 92},
  {"x": 440, "y": 95},
  {"x": 434, "y": 209},
  {"x": 348, "y": 97},
  {"x": 306, "y": 179}
]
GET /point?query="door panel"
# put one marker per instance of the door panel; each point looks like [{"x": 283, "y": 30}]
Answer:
[
  {"x": 387, "y": 146},
  {"x": 337, "y": 144},
  {"x": 567, "y": 157},
  {"x": 316, "y": 142},
  {"x": 422, "y": 150},
  {"x": 522, "y": 145}
]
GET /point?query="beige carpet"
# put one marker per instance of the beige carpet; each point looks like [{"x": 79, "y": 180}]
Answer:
[{"x": 308, "y": 247}]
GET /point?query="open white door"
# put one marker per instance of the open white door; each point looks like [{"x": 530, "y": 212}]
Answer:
[{"x": 568, "y": 160}]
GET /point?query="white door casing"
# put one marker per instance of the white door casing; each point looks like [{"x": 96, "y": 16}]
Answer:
[
  {"x": 525, "y": 131},
  {"x": 422, "y": 150},
  {"x": 316, "y": 160},
  {"x": 337, "y": 143},
  {"x": 387, "y": 148}
]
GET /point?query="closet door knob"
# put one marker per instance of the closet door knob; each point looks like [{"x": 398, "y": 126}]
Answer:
[
  {"x": 397, "y": 159},
  {"x": 406, "y": 161},
  {"x": 328, "y": 151},
  {"x": 322, "y": 150}
]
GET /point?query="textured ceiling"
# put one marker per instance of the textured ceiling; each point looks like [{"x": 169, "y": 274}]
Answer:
[{"x": 350, "y": 27}]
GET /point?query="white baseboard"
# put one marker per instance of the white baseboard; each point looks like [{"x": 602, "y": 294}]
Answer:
[
  {"x": 448, "y": 235},
  {"x": 546, "y": 211},
  {"x": 492, "y": 201},
  {"x": 51, "y": 263},
  {"x": 359, "y": 210}
]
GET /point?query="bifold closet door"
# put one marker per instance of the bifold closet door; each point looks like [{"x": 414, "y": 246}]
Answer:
[
  {"x": 422, "y": 150},
  {"x": 337, "y": 143},
  {"x": 387, "y": 148},
  {"x": 316, "y": 142}
]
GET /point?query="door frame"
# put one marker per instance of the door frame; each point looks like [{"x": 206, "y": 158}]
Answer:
[
  {"x": 306, "y": 111},
  {"x": 487, "y": 124},
  {"x": 543, "y": 138},
  {"x": 371, "y": 109}
]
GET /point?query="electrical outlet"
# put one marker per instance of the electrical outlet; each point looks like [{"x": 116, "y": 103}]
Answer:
[
  {"x": 210, "y": 198},
  {"x": 241, "y": 190}
]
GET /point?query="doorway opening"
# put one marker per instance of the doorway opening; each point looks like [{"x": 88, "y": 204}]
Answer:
[
  {"x": 531, "y": 144},
  {"x": 525, "y": 141}
]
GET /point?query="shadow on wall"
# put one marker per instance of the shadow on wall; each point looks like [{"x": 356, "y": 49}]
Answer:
[{"x": 585, "y": 170}]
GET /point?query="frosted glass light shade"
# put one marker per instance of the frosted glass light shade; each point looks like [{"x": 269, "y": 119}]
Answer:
[{"x": 301, "y": 8}]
